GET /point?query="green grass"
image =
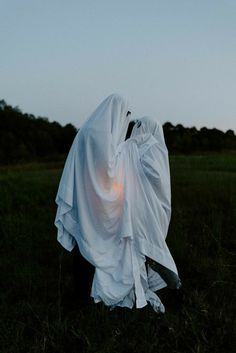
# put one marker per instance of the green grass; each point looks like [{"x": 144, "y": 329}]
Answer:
[{"x": 38, "y": 309}]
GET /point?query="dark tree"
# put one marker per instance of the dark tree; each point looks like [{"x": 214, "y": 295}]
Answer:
[{"x": 24, "y": 137}]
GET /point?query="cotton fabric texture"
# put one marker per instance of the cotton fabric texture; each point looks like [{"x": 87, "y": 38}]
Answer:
[
  {"x": 145, "y": 182},
  {"x": 88, "y": 204},
  {"x": 114, "y": 202}
]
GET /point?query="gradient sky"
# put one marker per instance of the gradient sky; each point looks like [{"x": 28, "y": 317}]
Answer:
[{"x": 174, "y": 60}]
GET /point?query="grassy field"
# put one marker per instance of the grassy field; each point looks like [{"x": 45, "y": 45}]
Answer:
[{"x": 38, "y": 308}]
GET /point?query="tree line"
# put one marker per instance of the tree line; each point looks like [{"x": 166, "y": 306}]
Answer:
[{"x": 24, "y": 137}]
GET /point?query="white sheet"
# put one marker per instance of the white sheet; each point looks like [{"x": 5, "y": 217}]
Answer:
[
  {"x": 145, "y": 184},
  {"x": 114, "y": 201},
  {"x": 89, "y": 205}
]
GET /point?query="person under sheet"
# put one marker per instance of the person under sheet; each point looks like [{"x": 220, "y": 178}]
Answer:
[
  {"x": 155, "y": 162},
  {"x": 143, "y": 172},
  {"x": 89, "y": 202}
]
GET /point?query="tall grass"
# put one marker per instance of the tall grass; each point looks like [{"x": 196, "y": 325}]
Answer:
[{"x": 39, "y": 311}]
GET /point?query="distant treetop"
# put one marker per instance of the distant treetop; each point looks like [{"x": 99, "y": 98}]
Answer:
[{"x": 24, "y": 137}]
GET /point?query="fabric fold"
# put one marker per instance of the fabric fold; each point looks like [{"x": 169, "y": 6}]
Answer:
[{"x": 114, "y": 201}]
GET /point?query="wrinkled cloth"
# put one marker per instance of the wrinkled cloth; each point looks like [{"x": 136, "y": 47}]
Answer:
[
  {"x": 144, "y": 179},
  {"x": 89, "y": 203},
  {"x": 114, "y": 202}
]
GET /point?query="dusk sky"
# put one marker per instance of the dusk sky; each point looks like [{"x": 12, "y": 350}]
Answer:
[{"x": 174, "y": 60}]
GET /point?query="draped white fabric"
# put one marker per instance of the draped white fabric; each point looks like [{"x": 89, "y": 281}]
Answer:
[
  {"x": 88, "y": 202},
  {"x": 114, "y": 200},
  {"x": 145, "y": 183}
]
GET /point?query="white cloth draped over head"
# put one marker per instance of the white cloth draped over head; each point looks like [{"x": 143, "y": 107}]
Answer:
[
  {"x": 114, "y": 202},
  {"x": 145, "y": 180},
  {"x": 149, "y": 137},
  {"x": 88, "y": 197}
]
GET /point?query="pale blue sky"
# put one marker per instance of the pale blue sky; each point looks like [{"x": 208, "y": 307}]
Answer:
[{"x": 174, "y": 60}]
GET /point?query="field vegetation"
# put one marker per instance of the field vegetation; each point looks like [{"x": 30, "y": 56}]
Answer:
[{"x": 38, "y": 307}]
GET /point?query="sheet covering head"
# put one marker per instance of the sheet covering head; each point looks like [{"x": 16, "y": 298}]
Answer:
[
  {"x": 145, "y": 221},
  {"x": 110, "y": 118},
  {"x": 114, "y": 201},
  {"x": 88, "y": 203},
  {"x": 146, "y": 127}
]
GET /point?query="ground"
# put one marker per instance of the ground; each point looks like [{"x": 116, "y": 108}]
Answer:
[{"x": 38, "y": 307}]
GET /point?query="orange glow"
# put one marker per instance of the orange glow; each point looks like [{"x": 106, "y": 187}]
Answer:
[{"x": 117, "y": 186}]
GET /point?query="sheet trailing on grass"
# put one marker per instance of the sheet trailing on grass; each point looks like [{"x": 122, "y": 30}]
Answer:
[
  {"x": 144, "y": 178},
  {"x": 114, "y": 201}
]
